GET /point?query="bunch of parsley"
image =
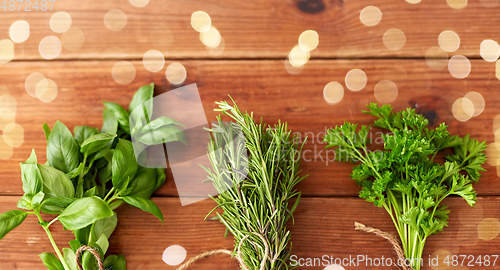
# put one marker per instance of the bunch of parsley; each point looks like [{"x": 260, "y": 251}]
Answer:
[
  {"x": 88, "y": 175},
  {"x": 403, "y": 178}
]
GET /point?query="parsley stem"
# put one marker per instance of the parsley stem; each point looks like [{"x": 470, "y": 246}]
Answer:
[{"x": 51, "y": 239}]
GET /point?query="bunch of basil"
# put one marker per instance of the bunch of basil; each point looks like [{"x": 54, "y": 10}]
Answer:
[{"x": 88, "y": 174}]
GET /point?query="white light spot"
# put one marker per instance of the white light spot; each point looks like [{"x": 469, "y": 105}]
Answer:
[
  {"x": 123, "y": 72},
  {"x": 386, "y": 91},
  {"x": 394, "y": 39},
  {"x": 200, "y": 21},
  {"x": 457, "y": 4},
  {"x": 46, "y": 90},
  {"x": 31, "y": 81},
  {"x": 13, "y": 134},
  {"x": 6, "y": 50},
  {"x": 298, "y": 56},
  {"x": 217, "y": 50},
  {"x": 153, "y": 60},
  {"x": 413, "y": 1},
  {"x": 60, "y": 22},
  {"x": 292, "y": 69},
  {"x": 73, "y": 39},
  {"x": 309, "y": 40},
  {"x": 211, "y": 37},
  {"x": 333, "y": 93},
  {"x": 489, "y": 50},
  {"x": 462, "y": 109},
  {"x": 459, "y": 66},
  {"x": 334, "y": 267},
  {"x": 370, "y": 16},
  {"x": 356, "y": 79},
  {"x": 478, "y": 102},
  {"x": 174, "y": 255},
  {"x": 50, "y": 47},
  {"x": 436, "y": 58},
  {"x": 19, "y": 31},
  {"x": 449, "y": 41},
  {"x": 139, "y": 3},
  {"x": 176, "y": 73},
  {"x": 115, "y": 20}
]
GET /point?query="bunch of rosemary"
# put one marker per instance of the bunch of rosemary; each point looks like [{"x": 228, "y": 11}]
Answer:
[{"x": 256, "y": 185}]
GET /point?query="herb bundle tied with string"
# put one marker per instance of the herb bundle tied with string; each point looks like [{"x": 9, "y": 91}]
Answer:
[{"x": 255, "y": 177}]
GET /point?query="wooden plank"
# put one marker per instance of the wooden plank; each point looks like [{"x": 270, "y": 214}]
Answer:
[
  {"x": 266, "y": 29},
  {"x": 264, "y": 87},
  {"x": 323, "y": 226}
]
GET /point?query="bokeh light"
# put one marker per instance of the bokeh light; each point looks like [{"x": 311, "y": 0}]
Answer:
[
  {"x": 13, "y": 134},
  {"x": 386, "y": 91},
  {"x": 370, "y": 16},
  {"x": 449, "y": 41},
  {"x": 123, "y": 72},
  {"x": 457, "y": 4},
  {"x": 436, "y": 58},
  {"x": 441, "y": 256},
  {"x": 73, "y": 39},
  {"x": 19, "y": 31},
  {"x": 459, "y": 66},
  {"x": 333, "y": 93},
  {"x": 115, "y": 20},
  {"x": 211, "y": 37},
  {"x": 292, "y": 69},
  {"x": 394, "y": 39},
  {"x": 31, "y": 81},
  {"x": 60, "y": 22},
  {"x": 201, "y": 21},
  {"x": 488, "y": 229},
  {"x": 153, "y": 60},
  {"x": 217, "y": 50},
  {"x": 489, "y": 50},
  {"x": 6, "y": 50},
  {"x": 478, "y": 102},
  {"x": 6, "y": 150},
  {"x": 356, "y": 79},
  {"x": 462, "y": 109},
  {"x": 413, "y": 1},
  {"x": 50, "y": 47},
  {"x": 489, "y": 3},
  {"x": 176, "y": 73},
  {"x": 46, "y": 90},
  {"x": 309, "y": 40},
  {"x": 174, "y": 255},
  {"x": 139, "y": 3},
  {"x": 298, "y": 57},
  {"x": 493, "y": 154}
]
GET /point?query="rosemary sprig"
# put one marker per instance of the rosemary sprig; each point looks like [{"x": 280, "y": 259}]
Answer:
[{"x": 256, "y": 184}]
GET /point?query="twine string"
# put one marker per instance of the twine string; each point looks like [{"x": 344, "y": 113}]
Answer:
[
  {"x": 93, "y": 252},
  {"x": 225, "y": 251},
  {"x": 389, "y": 237}
]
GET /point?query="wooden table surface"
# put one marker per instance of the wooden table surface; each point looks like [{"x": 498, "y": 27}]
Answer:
[{"x": 258, "y": 36}]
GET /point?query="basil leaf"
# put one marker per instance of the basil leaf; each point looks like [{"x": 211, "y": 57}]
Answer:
[
  {"x": 46, "y": 130},
  {"x": 10, "y": 220},
  {"x": 84, "y": 212},
  {"x": 160, "y": 122},
  {"x": 96, "y": 143},
  {"x": 160, "y": 178},
  {"x": 89, "y": 193},
  {"x": 140, "y": 116},
  {"x": 142, "y": 95},
  {"x": 30, "y": 202},
  {"x": 70, "y": 258},
  {"x": 56, "y": 183},
  {"x": 62, "y": 149},
  {"x": 51, "y": 261},
  {"x": 105, "y": 226},
  {"x": 145, "y": 205},
  {"x": 163, "y": 135},
  {"x": 109, "y": 122},
  {"x": 77, "y": 171},
  {"x": 56, "y": 205},
  {"x": 75, "y": 244},
  {"x": 144, "y": 183},
  {"x": 89, "y": 262},
  {"x": 103, "y": 243},
  {"x": 105, "y": 173},
  {"x": 124, "y": 165},
  {"x": 30, "y": 174},
  {"x": 120, "y": 113},
  {"x": 82, "y": 235},
  {"x": 83, "y": 132},
  {"x": 115, "y": 262}
]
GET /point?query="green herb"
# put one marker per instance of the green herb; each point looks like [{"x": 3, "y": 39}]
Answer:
[
  {"x": 261, "y": 184},
  {"x": 404, "y": 179},
  {"x": 89, "y": 174}
]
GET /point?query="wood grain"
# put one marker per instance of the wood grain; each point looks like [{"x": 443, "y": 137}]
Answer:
[
  {"x": 258, "y": 29},
  {"x": 323, "y": 226},
  {"x": 263, "y": 87}
]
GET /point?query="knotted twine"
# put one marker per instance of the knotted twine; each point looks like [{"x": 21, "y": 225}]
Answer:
[
  {"x": 389, "y": 237},
  {"x": 91, "y": 250},
  {"x": 225, "y": 251}
]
